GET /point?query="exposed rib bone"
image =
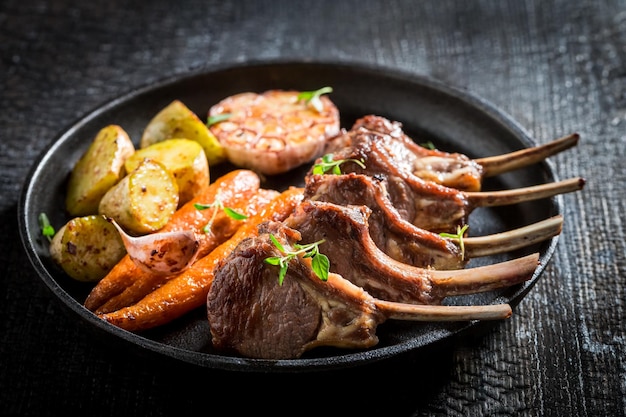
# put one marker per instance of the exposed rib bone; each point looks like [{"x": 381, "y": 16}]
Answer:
[
  {"x": 519, "y": 195},
  {"x": 484, "y": 278},
  {"x": 413, "y": 312},
  {"x": 510, "y": 240},
  {"x": 495, "y": 165}
]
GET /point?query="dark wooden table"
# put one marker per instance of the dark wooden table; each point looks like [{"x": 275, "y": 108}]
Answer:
[{"x": 557, "y": 67}]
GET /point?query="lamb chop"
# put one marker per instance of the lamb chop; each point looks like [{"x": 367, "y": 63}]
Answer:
[
  {"x": 410, "y": 244},
  {"x": 424, "y": 203},
  {"x": 452, "y": 170},
  {"x": 253, "y": 315},
  {"x": 354, "y": 255}
]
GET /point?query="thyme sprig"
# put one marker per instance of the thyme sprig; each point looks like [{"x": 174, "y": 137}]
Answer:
[
  {"x": 312, "y": 98},
  {"x": 212, "y": 120},
  {"x": 46, "y": 228},
  {"x": 319, "y": 261},
  {"x": 460, "y": 232},
  {"x": 217, "y": 205},
  {"x": 428, "y": 145},
  {"x": 328, "y": 164}
]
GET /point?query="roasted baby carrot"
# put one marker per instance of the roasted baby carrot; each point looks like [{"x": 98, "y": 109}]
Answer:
[
  {"x": 234, "y": 189},
  {"x": 144, "y": 282},
  {"x": 189, "y": 290}
]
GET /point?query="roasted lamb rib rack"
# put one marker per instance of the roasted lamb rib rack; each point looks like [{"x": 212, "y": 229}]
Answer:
[
  {"x": 386, "y": 153},
  {"x": 453, "y": 170},
  {"x": 380, "y": 269},
  {"x": 407, "y": 243},
  {"x": 252, "y": 315},
  {"x": 354, "y": 255}
]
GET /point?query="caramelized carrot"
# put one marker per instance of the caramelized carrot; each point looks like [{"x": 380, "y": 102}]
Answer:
[
  {"x": 234, "y": 189},
  {"x": 189, "y": 290},
  {"x": 144, "y": 282}
]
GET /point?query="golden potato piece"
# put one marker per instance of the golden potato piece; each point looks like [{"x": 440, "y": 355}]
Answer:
[
  {"x": 87, "y": 248},
  {"x": 178, "y": 121},
  {"x": 98, "y": 169},
  {"x": 183, "y": 158},
  {"x": 144, "y": 200}
]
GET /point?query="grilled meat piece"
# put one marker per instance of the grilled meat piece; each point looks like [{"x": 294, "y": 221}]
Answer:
[
  {"x": 453, "y": 170},
  {"x": 250, "y": 314},
  {"x": 413, "y": 245},
  {"x": 426, "y": 204},
  {"x": 395, "y": 236},
  {"x": 354, "y": 255}
]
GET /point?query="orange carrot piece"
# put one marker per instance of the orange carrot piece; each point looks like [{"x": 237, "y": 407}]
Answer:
[
  {"x": 232, "y": 189},
  {"x": 189, "y": 290},
  {"x": 144, "y": 282}
]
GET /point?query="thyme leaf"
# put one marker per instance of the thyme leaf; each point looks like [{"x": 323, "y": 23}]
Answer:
[
  {"x": 213, "y": 120},
  {"x": 328, "y": 164},
  {"x": 216, "y": 206},
  {"x": 428, "y": 145},
  {"x": 312, "y": 98},
  {"x": 234, "y": 214},
  {"x": 460, "y": 232},
  {"x": 46, "y": 228},
  {"x": 319, "y": 261}
]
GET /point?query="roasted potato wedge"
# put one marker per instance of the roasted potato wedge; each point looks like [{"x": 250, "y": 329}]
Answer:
[
  {"x": 178, "y": 121},
  {"x": 87, "y": 248},
  {"x": 144, "y": 200},
  {"x": 98, "y": 169},
  {"x": 185, "y": 159}
]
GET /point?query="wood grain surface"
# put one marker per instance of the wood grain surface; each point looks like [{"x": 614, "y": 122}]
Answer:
[{"x": 557, "y": 67}]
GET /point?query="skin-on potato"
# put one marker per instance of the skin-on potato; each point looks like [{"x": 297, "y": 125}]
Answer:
[
  {"x": 87, "y": 248},
  {"x": 178, "y": 121},
  {"x": 144, "y": 200},
  {"x": 183, "y": 158},
  {"x": 99, "y": 168}
]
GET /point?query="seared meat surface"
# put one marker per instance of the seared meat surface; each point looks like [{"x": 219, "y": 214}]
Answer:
[
  {"x": 379, "y": 224},
  {"x": 453, "y": 170},
  {"x": 252, "y": 315},
  {"x": 386, "y": 154},
  {"x": 354, "y": 255},
  {"x": 395, "y": 236}
]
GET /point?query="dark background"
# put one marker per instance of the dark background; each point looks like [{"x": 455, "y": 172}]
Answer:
[{"x": 557, "y": 67}]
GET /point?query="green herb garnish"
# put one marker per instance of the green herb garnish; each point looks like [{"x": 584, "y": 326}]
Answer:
[
  {"x": 212, "y": 120},
  {"x": 428, "y": 145},
  {"x": 312, "y": 98},
  {"x": 460, "y": 232},
  {"x": 319, "y": 261},
  {"x": 46, "y": 228},
  {"x": 328, "y": 164},
  {"x": 216, "y": 206}
]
